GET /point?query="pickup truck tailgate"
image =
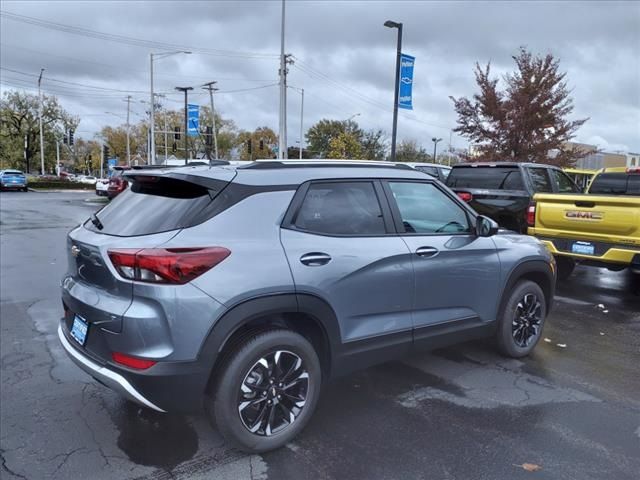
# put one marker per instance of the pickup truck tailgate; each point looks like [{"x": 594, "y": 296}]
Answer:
[{"x": 594, "y": 216}]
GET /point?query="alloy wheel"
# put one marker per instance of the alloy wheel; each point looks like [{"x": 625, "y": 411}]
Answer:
[
  {"x": 273, "y": 393},
  {"x": 526, "y": 321}
]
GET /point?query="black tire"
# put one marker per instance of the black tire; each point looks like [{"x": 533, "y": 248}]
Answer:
[
  {"x": 516, "y": 322},
  {"x": 565, "y": 267},
  {"x": 242, "y": 368}
]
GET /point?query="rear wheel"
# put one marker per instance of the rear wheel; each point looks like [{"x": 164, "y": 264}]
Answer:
[
  {"x": 267, "y": 390},
  {"x": 522, "y": 319},
  {"x": 565, "y": 267}
]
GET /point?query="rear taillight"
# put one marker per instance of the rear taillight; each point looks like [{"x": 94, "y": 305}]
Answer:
[
  {"x": 633, "y": 170},
  {"x": 166, "y": 265},
  {"x": 531, "y": 215},
  {"x": 132, "y": 362},
  {"x": 465, "y": 196}
]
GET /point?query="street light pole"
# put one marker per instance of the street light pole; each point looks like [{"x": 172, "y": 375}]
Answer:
[
  {"x": 186, "y": 126},
  {"x": 210, "y": 86},
  {"x": 435, "y": 147},
  {"x": 40, "y": 121},
  {"x": 128, "y": 131},
  {"x": 282, "y": 130},
  {"x": 301, "y": 120},
  {"x": 394, "y": 131},
  {"x": 152, "y": 141}
]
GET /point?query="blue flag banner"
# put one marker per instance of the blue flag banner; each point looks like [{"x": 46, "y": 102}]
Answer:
[
  {"x": 193, "y": 117},
  {"x": 405, "y": 99}
]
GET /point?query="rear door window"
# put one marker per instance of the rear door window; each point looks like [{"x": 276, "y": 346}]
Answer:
[
  {"x": 486, "y": 177},
  {"x": 157, "y": 205},
  {"x": 564, "y": 184},
  {"x": 615, "y": 184},
  {"x": 341, "y": 208},
  {"x": 540, "y": 180}
]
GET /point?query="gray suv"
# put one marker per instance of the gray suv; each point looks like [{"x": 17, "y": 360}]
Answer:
[{"x": 244, "y": 290}]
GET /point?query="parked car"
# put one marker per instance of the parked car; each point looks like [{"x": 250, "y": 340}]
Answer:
[
  {"x": 102, "y": 184},
  {"x": 88, "y": 179},
  {"x": 504, "y": 191},
  {"x": 600, "y": 228},
  {"x": 246, "y": 289},
  {"x": 117, "y": 182},
  {"x": 13, "y": 180},
  {"x": 436, "y": 170}
]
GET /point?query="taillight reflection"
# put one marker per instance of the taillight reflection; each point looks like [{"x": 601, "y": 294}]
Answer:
[{"x": 465, "y": 196}]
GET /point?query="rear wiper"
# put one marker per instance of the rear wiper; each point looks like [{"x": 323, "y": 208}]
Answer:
[{"x": 96, "y": 221}]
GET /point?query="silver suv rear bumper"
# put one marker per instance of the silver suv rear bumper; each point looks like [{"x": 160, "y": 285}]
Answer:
[{"x": 110, "y": 378}]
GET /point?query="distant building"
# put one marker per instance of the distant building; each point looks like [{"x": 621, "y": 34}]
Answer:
[
  {"x": 595, "y": 161},
  {"x": 633, "y": 159}
]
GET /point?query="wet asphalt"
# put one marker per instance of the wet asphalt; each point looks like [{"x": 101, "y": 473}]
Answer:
[{"x": 571, "y": 410}]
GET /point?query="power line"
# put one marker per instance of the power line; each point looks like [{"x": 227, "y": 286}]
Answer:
[
  {"x": 139, "y": 42},
  {"x": 108, "y": 66}
]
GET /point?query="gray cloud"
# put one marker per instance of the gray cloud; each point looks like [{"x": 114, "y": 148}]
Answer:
[{"x": 598, "y": 44}]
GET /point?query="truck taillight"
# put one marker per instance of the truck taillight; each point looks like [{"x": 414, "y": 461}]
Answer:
[
  {"x": 633, "y": 170},
  {"x": 166, "y": 265},
  {"x": 531, "y": 215},
  {"x": 465, "y": 196}
]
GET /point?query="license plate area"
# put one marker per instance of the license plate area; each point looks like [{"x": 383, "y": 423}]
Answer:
[
  {"x": 584, "y": 248},
  {"x": 79, "y": 329}
]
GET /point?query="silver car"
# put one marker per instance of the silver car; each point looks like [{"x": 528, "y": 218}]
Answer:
[{"x": 244, "y": 290}]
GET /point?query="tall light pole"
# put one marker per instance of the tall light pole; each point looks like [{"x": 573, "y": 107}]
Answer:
[
  {"x": 301, "y": 90},
  {"x": 152, "y": 142},
  {"x": 186, "y": 126},
  {"x": 282, "y": 130},
  {"x": 40, "y": 121},
  {"x": 394, "y": 131},
  {"x": 435, "y": 147},
  {"x": 210, "y": 86},
  {"x": 128, "y": 131}
]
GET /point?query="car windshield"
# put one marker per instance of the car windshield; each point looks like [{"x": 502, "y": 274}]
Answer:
[{"x": 487, "y": 177}]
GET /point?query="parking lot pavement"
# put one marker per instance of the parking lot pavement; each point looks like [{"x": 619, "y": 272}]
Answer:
[{"x": 572, "y": 408}]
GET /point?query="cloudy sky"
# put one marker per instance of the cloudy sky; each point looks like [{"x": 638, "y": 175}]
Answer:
[{"x": 344, "y": 58}]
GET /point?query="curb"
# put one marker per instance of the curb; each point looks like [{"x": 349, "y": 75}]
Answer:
[{"x": 64, "y": 190}]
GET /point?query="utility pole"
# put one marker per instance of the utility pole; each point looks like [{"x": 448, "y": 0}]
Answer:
[
  {"x": 40, "y": 120},
  {"x": 282, "y": 130},
  {"x": 394, "y": 131},
  {"x": 301, "y": 120},
  {"x": 26, "y": 159},
  {"x": 166, "y": 138},
  {"x": 102, "y": 161},
  {"x": 151, "y": 158},
  {"x": 58, "y": 157},
  {"x": 186, "y": 126},
  {"x": 210, "y": 86},
  {"x": 128, "y": 131}
]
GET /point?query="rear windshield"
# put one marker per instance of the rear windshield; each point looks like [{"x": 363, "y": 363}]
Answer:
[
  {"x": 616, "y": 184},
  {"x": 12, "y": 172},
  {"x": 490, "y": 178},
  {"x": 157, "y": 205}
]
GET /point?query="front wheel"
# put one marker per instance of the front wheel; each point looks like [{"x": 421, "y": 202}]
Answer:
[
  {"x": 267, "y": 390},
  {"x": 522, "y": 319}
]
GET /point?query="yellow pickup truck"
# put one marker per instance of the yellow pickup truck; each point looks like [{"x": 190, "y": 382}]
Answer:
[{"x": 600, "y": 227}]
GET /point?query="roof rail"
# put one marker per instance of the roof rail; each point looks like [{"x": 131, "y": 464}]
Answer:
[{"x": 321, "y": 163}]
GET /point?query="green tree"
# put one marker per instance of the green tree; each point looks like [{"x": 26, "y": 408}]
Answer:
[
  {"x": 19, "y": 121},
  {"x": 345, "y": 145},
  {"x": 374, "y": 145},
  {"x": 526, "y": 120},
  {"x": 410, "y": 151},
  {"x": 265, "y": 134},
  {"x": 319, "y": 136}
]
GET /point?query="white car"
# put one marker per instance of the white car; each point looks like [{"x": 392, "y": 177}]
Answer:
[
  {"x": 102, "y": 184},
  {"x": 89, "y": 179}
]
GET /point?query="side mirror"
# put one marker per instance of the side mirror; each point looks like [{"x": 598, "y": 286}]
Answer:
[{"x": 485, "y": 227}]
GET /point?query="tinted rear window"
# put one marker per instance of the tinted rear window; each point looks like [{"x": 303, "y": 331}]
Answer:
[
  {"x": 616, "y": 184},
  {"x": 155, "y": 206},
  {"x": 490, "y": 178}
]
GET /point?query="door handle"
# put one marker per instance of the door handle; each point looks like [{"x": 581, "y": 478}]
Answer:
[
  {"x": 315, "y": 259},
  {"x": 427, "y": 252}
]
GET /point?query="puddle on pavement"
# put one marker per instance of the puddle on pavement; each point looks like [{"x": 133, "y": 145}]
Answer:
[{"x": 154, "y": 439}]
